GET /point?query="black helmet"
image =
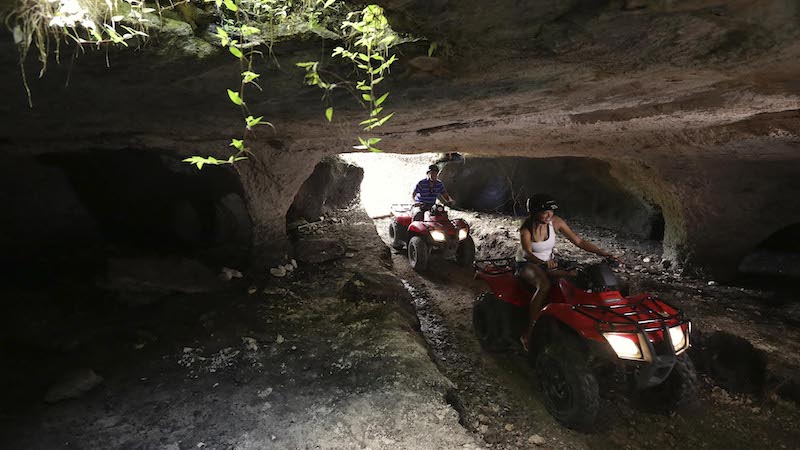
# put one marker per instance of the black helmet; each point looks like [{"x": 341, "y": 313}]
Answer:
[
  {"x": 433, "y": 168},
  {"x": 541, "y": 202}
]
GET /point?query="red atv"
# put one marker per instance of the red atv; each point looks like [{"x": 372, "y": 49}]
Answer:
[
  {"x": 588, "y": 339},
  {"x": 429, "y": 235}
]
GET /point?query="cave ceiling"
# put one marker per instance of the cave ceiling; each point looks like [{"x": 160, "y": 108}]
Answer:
[{"x": 642, "y": 80}]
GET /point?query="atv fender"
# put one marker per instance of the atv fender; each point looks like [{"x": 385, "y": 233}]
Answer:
[
  {"x": 417, "y": 228},
  {"x": 567, "y": 315}
]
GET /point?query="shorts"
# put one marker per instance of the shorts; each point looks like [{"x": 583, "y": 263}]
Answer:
[{"x": 563, "y": 264}]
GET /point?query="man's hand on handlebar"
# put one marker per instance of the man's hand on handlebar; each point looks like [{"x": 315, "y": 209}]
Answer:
[{"x": 551, "y": 264}]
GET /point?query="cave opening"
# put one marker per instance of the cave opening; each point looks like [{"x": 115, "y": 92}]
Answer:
[{"x": 584, "y": 187}]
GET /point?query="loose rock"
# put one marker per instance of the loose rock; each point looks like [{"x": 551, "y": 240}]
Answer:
[
  {"x": 73, "y": 385},
  {"x": 536, "y": 440}
]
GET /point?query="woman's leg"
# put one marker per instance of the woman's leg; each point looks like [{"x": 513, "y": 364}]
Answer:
[{"x": 537, "y": 277}]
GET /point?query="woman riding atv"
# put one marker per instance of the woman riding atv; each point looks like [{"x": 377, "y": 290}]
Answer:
[{"x": 535, "y": 261}]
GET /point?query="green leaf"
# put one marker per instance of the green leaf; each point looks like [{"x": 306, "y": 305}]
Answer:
[
  {"x": 196, "y": 160},
  {"x": 235, "y": 51},
  {"x": 365, "y": 122},
  {"x": 247, "y": 30},
  {"x": 235, "y": 98},
  {"x": 329, "y": 112},
  {"x": 381, "y": 99},
  {"x": 366, "y": 97},
  {"x": 237, "y": 143},
  {"x": 223, "y": 36},
  {"x": 432, "y": 48},
  {"x": 252, "y": 121},
  {"x": 249, "y": 76},
  {"x": 379, "y": 122},
  {"x": 231, "y": 5},
  {"x": 328, "y": 3},
  {"x": 218, "y": 2}
]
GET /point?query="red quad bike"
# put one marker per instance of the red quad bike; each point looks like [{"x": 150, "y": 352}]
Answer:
[
  {"x": 589, "y": 339},
  {"x": 433, "y": 236}
]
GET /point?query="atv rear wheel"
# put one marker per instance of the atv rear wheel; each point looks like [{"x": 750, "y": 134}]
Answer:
[
  {"x": 465, "y": 254},
  {"x": 395, "y": 234},
  {"x": 486, "y": 321},
  {"x": 418, "y": 253},
  {"x": 569, "y": 388},
  {"x": 677, "y": 392}
]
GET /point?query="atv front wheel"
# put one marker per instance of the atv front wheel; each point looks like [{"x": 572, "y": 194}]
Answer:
[
  {"x": 678, "y": 391},
  {"x": 395, "y": 234},
  {"x": 465, "y": 253},
  {"x": 418, "y": 253},
  {"x": 486, "y": 323},
  {"x": 569, "y": 388}
]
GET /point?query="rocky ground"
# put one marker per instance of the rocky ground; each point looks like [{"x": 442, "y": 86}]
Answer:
[
  {"x": 745, "y": 399},
  {"x": 330, "y": 355},
  {"x": 327, "y": 356}
]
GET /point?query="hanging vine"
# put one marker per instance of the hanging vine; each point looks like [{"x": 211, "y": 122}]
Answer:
[{"x": 245, "y": 25}]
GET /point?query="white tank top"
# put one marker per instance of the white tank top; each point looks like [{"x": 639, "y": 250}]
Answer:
[{"x": 542, "y": 250}]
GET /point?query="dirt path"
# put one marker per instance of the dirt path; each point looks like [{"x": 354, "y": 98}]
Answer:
[{"x": 497, "y": 398}]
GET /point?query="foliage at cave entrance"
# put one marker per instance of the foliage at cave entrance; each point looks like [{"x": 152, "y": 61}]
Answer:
[{"x": 243, "y": 27}]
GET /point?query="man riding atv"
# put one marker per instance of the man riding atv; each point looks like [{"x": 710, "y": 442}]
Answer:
[
  {"x": 535, "y": 262},
  {"x": 427, "y": 191}
]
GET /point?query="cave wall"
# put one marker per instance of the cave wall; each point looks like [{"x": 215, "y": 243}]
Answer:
[
  {"x": 583, "y": 188},
  {"x": 69, "y": 212},
  {"x": 672, "y": 95}
]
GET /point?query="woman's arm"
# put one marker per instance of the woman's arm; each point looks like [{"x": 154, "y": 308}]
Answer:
[{"x": 561, "y": 226}]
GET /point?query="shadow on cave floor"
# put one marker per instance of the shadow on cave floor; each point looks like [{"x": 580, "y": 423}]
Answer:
[
  {"x": 748, "y": 397},
  {"x": 294, "y": 362}
]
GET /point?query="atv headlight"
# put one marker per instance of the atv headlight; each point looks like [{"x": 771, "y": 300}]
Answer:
[
  {"x": 625, "y": 345},
  {"x": 462, "y": 234},
  {"x": 678, "y": 337},
  {"x": 438, "y": 236}
]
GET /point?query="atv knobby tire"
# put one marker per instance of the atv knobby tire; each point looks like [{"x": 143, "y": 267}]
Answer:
[
  {"x": 486, "y": 321},
  {"x": 677, "y": 392},
  {"x": 418, "y": 253},
  {"x": 396, "y": 235},
  {"x": 568, "y": 387},
  {"x": 465, "y": 254}
]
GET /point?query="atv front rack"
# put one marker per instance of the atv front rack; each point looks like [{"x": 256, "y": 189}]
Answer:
[{"x": 627, "y": 324}]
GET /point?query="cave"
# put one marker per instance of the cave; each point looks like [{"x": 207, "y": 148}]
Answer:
[
  {"x": 776, "y": 257},
  {"x": 197, "y": 197},
  {"x": 75, "y": 211}
]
